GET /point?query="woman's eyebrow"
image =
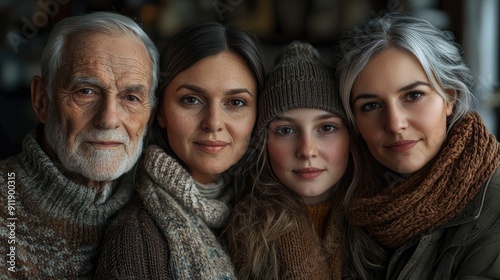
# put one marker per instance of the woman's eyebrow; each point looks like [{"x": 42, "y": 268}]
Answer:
[
  {"x": 191, "y": 87},
  {"x": 413, "y": 85},
  {"x": 403, "y": 89}
]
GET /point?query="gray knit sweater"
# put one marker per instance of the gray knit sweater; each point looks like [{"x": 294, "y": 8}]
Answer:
[{"x": 51, "y": 227}]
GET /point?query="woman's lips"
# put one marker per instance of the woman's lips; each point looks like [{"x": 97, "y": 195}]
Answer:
[
  {"x": 211, "y": 146},
  {"x": 308, "y": 173},
  {"x": 401, "y": 146}
]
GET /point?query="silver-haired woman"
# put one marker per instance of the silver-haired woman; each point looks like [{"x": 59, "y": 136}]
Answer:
[{"x": 426, "y": 205}]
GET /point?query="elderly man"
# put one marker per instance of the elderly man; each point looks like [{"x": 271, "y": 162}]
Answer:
[{"x": 94, "y": 99}]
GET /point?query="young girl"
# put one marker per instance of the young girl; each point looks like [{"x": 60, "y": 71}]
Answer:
[{"x": 287, "y": 225}]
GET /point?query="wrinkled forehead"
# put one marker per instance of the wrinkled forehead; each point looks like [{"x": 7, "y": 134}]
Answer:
[
  {"x": 120, "y": 46},
  {"x": 111, "y": 56}
]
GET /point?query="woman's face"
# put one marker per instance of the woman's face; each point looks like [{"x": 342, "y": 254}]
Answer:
[
  {"x": 399, "y": 115},
  {"x": 308, "y": 151},
  {"x": 209, "y": 111}
]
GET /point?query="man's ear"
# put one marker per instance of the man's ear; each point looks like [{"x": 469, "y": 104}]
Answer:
[{"x": 39, "y": 97}]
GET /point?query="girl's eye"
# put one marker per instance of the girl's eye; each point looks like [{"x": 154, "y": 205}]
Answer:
[
  {"x": 285, "y": 130},
  {"x": 370, "y": 106},
  {"x": 414, "y": 95},
  {"x": 327, "y": 128},
  {"x": 190, "y": 100}
]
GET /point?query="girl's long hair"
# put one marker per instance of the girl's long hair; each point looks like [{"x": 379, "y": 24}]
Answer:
[{"x": 267, "y": 211}]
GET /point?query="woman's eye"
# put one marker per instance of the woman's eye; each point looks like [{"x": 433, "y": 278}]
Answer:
[
  {"x": 238, "y": 103},
  {"x": 190, "y": 100},
  {"x": 369, "y": 107},
  {"x": 414, "y": 95}
]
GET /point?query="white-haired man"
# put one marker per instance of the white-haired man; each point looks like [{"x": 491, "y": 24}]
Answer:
[{"x": 93, "y": 99}]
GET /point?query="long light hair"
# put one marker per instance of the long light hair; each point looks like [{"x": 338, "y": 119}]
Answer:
[
  {"x": 266, "y": 212},
  {"x": 442, "y": 61}
]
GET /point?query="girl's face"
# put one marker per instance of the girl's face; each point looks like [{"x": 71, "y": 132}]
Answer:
[
  {"x": 209, "y": 111},
  {"x": 400, "y": 116},
  {"x": 308, "y": 151}
]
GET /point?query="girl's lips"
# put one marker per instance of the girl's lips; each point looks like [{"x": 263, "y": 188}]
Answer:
[
  {"x": 401, "y": 146},
  {"x": 308, "y": 173}
]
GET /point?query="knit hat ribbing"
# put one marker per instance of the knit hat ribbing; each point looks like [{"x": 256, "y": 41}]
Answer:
[{"x": 299, "y": 80}]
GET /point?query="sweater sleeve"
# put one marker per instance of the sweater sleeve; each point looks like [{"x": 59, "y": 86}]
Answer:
[{"x": 133, "y": 248}]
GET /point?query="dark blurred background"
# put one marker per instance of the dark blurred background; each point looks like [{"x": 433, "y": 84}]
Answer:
[{"x": 26, "y": 24}]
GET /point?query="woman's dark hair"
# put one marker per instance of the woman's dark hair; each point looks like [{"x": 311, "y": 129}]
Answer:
[{"x": 195, "y": 43}]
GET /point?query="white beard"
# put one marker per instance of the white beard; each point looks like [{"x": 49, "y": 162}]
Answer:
[{"x": 96, "y": 164}]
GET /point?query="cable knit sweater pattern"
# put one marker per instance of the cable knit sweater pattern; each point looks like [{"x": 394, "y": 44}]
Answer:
[{"x": 51, "y": 227}]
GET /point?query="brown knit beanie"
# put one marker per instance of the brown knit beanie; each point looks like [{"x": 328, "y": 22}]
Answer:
[{"x": 299, "y": 80}]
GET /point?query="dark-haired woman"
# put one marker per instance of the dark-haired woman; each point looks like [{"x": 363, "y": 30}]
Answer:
[{"x": 209, "y": 83}]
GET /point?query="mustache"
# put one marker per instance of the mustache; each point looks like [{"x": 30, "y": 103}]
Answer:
[{"x": 95, "y": 135}]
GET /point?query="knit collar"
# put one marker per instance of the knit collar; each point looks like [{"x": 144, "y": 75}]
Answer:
[
  {"x": 56, "y": 199},
  {"x": 175, "y": 181},
  {"x": 211, "y": 190},
  {"x": 319, "y": 216},
  {"x": 219, "y": 190},
  {"x": 434, "y": 195},
  {"x": 101, "y": 196},
  {"x": 185, "y": 218}
]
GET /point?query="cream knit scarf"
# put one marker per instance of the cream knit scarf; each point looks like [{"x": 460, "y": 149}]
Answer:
[
  {"x": 185, "y": 218},
  {"x": 433, "y": 195}
]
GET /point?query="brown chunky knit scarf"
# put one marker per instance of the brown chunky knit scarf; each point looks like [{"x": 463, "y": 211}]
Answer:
[
  {"x": 185, "y": 217},
  {"x": 433, "y": 195}
]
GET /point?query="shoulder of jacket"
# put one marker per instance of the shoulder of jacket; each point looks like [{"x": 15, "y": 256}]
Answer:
[
  {"x": 494, "y": 183},
  {"x": 492, "y": 193},
  {"x": 488, "y": 217},
  {"x": 486, "y": 202}
]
